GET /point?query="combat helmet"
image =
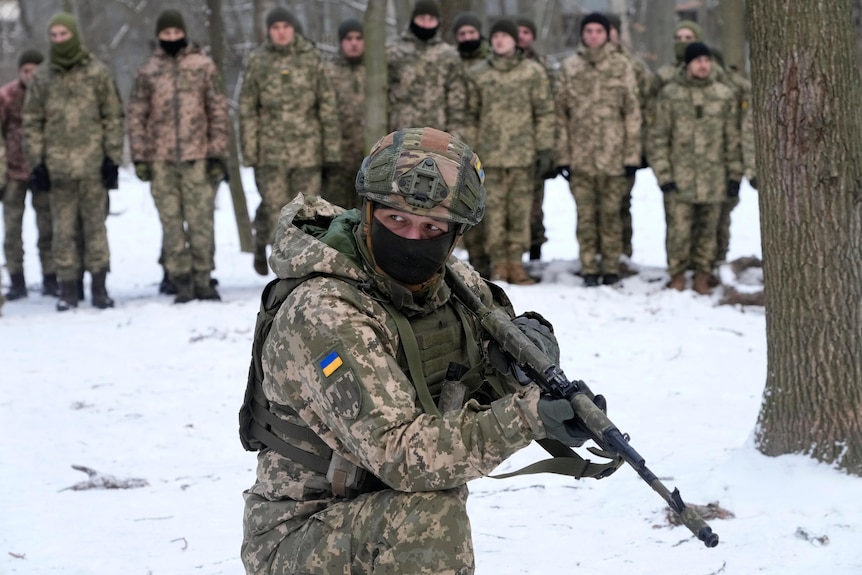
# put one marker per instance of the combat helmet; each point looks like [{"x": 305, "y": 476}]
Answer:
[{"x": 426, "y": 172}]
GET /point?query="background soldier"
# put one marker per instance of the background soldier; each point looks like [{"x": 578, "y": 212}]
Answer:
[
  {"x": 599, "y": 143},
  {"x": 511, "y": 117},
  {"x": 288, "y": 123},
  {"x": 695, "y": 153},
  {"x": 178, "y": 129},
  {"x": 426, "y": 80},
  {"x": 347, "y": 75},
  {"x": 73, "y": 126},
  {"x": 17, "y": 183}
]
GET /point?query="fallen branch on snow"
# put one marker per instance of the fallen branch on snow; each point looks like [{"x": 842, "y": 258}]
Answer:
[{"x": 102, "y": 481}]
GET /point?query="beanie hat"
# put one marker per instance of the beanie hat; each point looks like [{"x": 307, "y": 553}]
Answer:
[
  {"x": 280, "y": 14},
  {"x": 428, "y": 7},
  {"x": 349, "y": 26},
  {"x": 693, "y": 26},
  {"x": 696, "y": 50},
  {"x": 527, "y": 23},
  {"x": 595, "y": 18},
  {"x": 507, "y": 26},
  {"x": 170, "y": 19},
  {"x": 67, "y": 20},
  {"x": 30, "y": 56},
  {"x": 466, "y": 19},
  {"x": 614, "y": 21}
]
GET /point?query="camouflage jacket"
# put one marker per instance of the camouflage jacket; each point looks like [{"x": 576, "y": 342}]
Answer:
[
  {"x": 642, "y": 74},
  {"x": 598, "y": 115},
  {"x": 470, "y": 59},
  {"x": 742, "y": 86},
  {"x": 73, "y": 119},
  {"x": 426, "y": 85},
  {"x": 287, "y": 108},
  {"x": 548, "y": 63},
  {"x": 694, "y": 140},
  {"x": 348, "y": 82},
  {"x": 11, "y": 102},
  {"x": 510, "y": 111},
  {"x": 366, "y": 408},
  {"x": 177, "y": 111}
]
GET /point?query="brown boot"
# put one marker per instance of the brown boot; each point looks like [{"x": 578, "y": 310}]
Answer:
[
  {"x": 701, "y": 283},
  {"x": 500, "y": 272},
  {"x": 518, "y": 275},
  {"x": 677, "y": 282}
]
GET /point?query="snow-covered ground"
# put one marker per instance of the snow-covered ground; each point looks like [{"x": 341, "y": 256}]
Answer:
[{"x": 150, "y": 391}]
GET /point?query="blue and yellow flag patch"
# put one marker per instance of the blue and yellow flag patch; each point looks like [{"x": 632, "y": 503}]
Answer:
[{"x": 330, "y": 363}]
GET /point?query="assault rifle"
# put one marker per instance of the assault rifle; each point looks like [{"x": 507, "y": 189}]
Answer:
[{"x": 551, "y": 379}]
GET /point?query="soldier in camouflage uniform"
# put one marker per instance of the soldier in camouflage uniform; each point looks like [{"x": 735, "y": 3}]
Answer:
[
  {"x": 178, "y": 130},
  {"x": 684, "y": 34},
  {"x": 346, "y": 73},
  {"x": 18, "y": 182},
  {"x": 289, "y": 127},
  {"x": 510, "y": 114},
  {"x": 426, "y": 80},
  {"x": 694, "y": 150},
  {"x": 599, "y": 143},
  {"x": 73, "y": 126},
  {"x": 339, "y": 365}
]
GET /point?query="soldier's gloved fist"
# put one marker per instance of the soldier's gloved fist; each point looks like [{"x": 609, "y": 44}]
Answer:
[
  {"x": 539, "y": 331},
  {"x": 144, "y": 171},
  {"x": 40, "y": 180},
  {"x": 544, "y": 167},
  {"x": 732, "y": 189},
  {"x": 558, "y": 417},
  {"x": 110, "y": 174},
  {"x": 565, "y": 171},
  {"x": 668, "y": 187},
  {"x": 217, "y": 170},
  {"x": 631, "y": 171}
]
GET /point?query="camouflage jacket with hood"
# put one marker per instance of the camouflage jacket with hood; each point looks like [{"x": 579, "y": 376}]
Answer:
[{"x": 11, "y": 102}]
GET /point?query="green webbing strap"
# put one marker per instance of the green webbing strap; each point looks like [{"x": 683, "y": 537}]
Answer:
[{"x": 567, "y": 462}]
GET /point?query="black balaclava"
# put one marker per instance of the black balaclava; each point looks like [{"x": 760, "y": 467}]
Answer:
[
  {"x": 410, "y": 262},
  {"x": 424, "y": 7},
  {"x": 171, "y": 19}
]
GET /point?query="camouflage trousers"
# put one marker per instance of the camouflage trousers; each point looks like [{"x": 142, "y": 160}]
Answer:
[
  {"x": 385, "y": 533},
  {"x": 599, "y": 227},
  {"x": 537, "y": 215},
  {"x": 78, "y": 212},
  {"x": 13, "y": 222},
  {"x": 723, "y": 235},
  {"x": 507, "y": 213},
  {"x": 339, "y": 188},
  {"x": 185, "y": 200},
  {"x": 691, "y": 235},
  {"x": 277, "y": 186}
]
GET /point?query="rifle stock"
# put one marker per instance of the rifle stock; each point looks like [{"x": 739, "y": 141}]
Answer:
[{"x": 551, "y": 379}]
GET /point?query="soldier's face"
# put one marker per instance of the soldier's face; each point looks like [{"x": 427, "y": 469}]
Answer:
[
  {"x": 59, "y": 33},
  {"x": 684, "y": 35},
  {"x": 594, "y": 35},
  {"x": 503, "y": 44},
  {"x": 172, "y": 34},
  {"x": 353, "y": 45},
  {"x": 25, "y": 73},
  {"x": 410, "y": 226},
  {"x": 281, "y": 33},
  {"x": 426, "y": 21},
  {"x": 700, "y": 67},
  {"x": 525, "y": 37},
  {"x": 467, "y": 33}
]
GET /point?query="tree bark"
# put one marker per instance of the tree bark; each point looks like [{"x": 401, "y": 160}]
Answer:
[
  {"x": 377, "y": 76},
  {"x": 660, "y": 19},
  {"x": 806, "y": 94},
  {"x": 733, "y": 28}
]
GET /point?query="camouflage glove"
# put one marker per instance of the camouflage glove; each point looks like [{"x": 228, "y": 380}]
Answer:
[
  {"x": 631, "y": 171},
  {"x": 732, "y": 189},
  {"x": 560, "y": 423},
  {"x": 40, "y": 180},
  {"x": 544, "y": 167},
  {"x": 668, "y": 187},
  {"x": 144, "y": 171},
  {"x": 539, "y": 331},
  {"x": 565, "y": 171},
  {"x": 110, "y": 174},
  {"x": 217, "y": 171}
]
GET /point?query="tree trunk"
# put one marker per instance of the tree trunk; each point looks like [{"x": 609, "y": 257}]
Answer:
[
  {"x": 806, "y": 94},
  {"x": 448, "y": 10},
  {"x": 733, "y": 39},
  {"x": 260, "y": 10},
  {"x": 377, "y": 76},
  {"x": 660, "y": 21}
]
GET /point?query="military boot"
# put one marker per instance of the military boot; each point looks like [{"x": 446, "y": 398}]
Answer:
[
  {"x": 518, "y": 275},
  {"x": 166, "y": 286},
  {"x": 68, "y": 295},
  {"x": 260, "y": 265},
  {"x": 500, "y": 272},
  {"x": 50, "y": 285},
  {"x": 204, "y": 288},
  {"x": 701, "y": 283},
  {"x": 18, "y": 289},
  {"x": 591, "y": 280},
  {"x": 185, "y": 290},
  {"x": 536, "y": 253},
  {"x": 79, "y": 288},
  {"x": 101, "y": 299},
  {"x": 677, "y": 282}
]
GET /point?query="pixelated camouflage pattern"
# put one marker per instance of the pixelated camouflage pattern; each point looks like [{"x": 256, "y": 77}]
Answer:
[
  {"x": 13, "y": 219},
  {"x": 598, "y": 115},
  {"x": 548, "y": 63},
  {"x": 348, "y": 82},
  {"x": 507, "y": 213},
  {"x": 367, "y": 411},
  {"x": 469, "y": 59},
  {"x": 694, "y": 140},
  {"x": 722, "y": 237},
  {"x": 426, "y": 85},
  {"x": 599, "y": 226},
  {"x": 177, "y": 111},
  {"x": 287, "y": 108},
  {"x": 11, "y": 102},
  {"x": 510, "y": 112},
  {"x": 690, "y": 240},
  {"x": 73, "y": 119},
  {"x": 277, "y": 185},
  {"x": 78, "y": 210},
  {"x": 643, "y": 75},
  {"x": 742, "y": 86}
]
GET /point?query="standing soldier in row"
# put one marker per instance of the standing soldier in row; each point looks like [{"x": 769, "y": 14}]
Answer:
[
  {"x": 289, "y": 125},
  {"x": 73, "y": 126},
  {"x": 599, "y": 144},
  {"x": 695, "y": 153},
  {"x": 178, "y": 129},
  {"x": 426, "y": 80},
  {"x": 346, "y": 73},
  {"x": 17, "y": 182},
  {"x": 511, "y": 122}
]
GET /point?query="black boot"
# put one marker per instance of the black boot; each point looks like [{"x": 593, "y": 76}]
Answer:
[
  {"x": 166, "y": 286},
  {"x": 50, "y": 285},
  {"x": 68, "y": 295},
  {"x": 185, "y": 290},
  {"x": 591, "y": 280},
  {"x": 18, "y": 289},
  {"x": 535, "y": 253},
  {"x": 203, "y": 287},
  {"x": 101, "y": 299}
]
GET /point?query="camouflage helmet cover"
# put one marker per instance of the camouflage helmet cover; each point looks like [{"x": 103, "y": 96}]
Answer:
[{"x": 426, "y": 172}]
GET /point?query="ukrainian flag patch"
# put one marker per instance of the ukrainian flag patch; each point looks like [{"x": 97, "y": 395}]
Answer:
[{"x": 330, "y": 363}]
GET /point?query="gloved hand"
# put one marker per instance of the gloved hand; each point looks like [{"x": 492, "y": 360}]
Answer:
[
  {"x": 539, "y": 331},
  {"x": 732, "y": 189},
  {"x": 40, "y": 180},
  {"x": 560, "y": 423},
  {"x": 217, "y": 171},
  {"x": 144, "y": 171},
  {"x": 753, "y": 183},
  {"x": 544, "y": 165},
  {"x": 110, "y": 174},
  {"x": 668, "y": 187},
  {"x": 631, "y": 171},
  {"x": 565, "y": 171}
]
